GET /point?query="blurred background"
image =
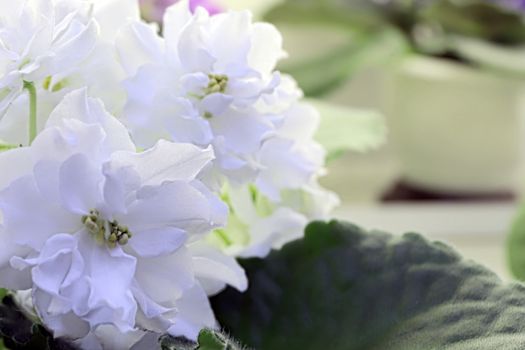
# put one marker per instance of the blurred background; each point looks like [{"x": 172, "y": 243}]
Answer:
[{"x": 444, "y": 80}]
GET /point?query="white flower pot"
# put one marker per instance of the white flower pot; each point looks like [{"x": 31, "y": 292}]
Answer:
[{"x": 456, "y": 128}]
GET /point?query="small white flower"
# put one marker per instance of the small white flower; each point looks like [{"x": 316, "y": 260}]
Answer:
[
  {"x": 104, "y": 235},
  {"x": 201, "y": 83},
  {"x": 59, "y": 46},
  {"x": 41, "y": 38},
  {"x": 258, "y": 224},
  {"x": 285, "y": 195}
]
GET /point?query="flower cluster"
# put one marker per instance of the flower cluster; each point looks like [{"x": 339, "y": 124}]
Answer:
[
  {"x": 148, "y": 164},
  {"x": 191, "y": 85}
]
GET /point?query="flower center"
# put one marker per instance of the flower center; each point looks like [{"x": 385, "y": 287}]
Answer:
[
  {"x": 218, "y": 83},
  {"x": 106, "y": 232}
]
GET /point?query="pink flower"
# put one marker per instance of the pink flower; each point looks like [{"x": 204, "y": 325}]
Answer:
[{"x": 153, "y": 10}]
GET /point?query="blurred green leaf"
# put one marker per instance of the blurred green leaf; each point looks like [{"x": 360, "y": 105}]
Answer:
[
  {"x": 368, "y": 43},
  {"x": 497, "y": 58},
  {"x": 323, "y": 74},
  {"x": 343, "y": 288},
  {"x": 516, "y": 246},
  {"x": 480, "y": 19},
  {"x": 442, "y": 28},
  {"x": 346, "y": 129},
  {"x": 321, "y": 12}
]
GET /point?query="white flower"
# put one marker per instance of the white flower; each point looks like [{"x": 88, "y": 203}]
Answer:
[
  {"x": 201, "y": 83},
  {"x": 212, "y": 81},
  {"x": 258, "y": 224},
  {"x": 104, "y": 235},
  {"x": 285, "y": 196},
  {"x": 291, "y": 159},
  {"x": 59, "y": 46},
  {"x": 41, "y": 38}
]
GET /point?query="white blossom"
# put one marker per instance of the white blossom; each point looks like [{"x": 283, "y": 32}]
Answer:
[
  {"x": 58, "y": 46},
  {"x": 200, "y": 83},
  {"x": 285, "y": 196},
  {"x": 212, "y": 81},
  {"x": 103, "y": 235},
  {"x": 40, "y": 38}
]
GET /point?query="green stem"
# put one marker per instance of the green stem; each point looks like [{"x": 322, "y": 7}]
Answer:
[{"x": 30, "y": 87}]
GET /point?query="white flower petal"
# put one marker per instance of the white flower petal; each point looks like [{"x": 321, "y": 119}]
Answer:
[
  {"x": 194, "y": 314},
  {"x": 73, "y": 46},
  {"x": 254, "y": 130},
  {"x": 137, "y": 44},
  {"x": 165, "y": 278},
  {"x": 166, "y": 161},
  {"x": 112, "y": 339},
  {"x": 175, "y": 19},
  {"x": 22, "y": 197},
  {"x": 80, "y": 184},
  {"x": 110, "y": 24},
  {"x": 14, "y": 163},
  {"x": 266, "y": 48},
  {"x": 211, "y": 265},
  {"x": 176, "y": 204},
  {"x": 284, "y": 168},
  {"x": 78, "y": 106},
  {"x": 119, "y": 186},
  {"x": 111, "y": 276},
  {"x": 156, "y": 242},
  {"x": 273, "y": 232}
]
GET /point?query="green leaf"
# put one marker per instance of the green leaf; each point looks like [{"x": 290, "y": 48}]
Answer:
[
  {"x": 470, "y": 18},
  {"x": 320, "y": 12},
  {"x": 489, "y": 56},
  {"x": 323, "y": 74},
  {"x": 342, "y": 288},
  {"x": 368, "y": 43},
  {"x": 516, "y": 246},
  {"x": 208, "y": 340},
  {"x": 345, "y": 129}
]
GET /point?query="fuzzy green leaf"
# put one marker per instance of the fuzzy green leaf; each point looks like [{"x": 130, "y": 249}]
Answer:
[
  {"x": 208, "y": 340},
  {"x": 342, "y": 288}
]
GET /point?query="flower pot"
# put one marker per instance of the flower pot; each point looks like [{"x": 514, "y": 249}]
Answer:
[{"x": 455, "y": 128}]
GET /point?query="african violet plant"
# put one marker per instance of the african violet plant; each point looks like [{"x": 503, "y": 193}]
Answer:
[
  {"x": 479, "y": 33},
  {"x": 486, "y": 34},
  {"x": 431, "y": 25},
  {"x": 114, "y": 228},
  {"x": 142, "y": 174}
]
